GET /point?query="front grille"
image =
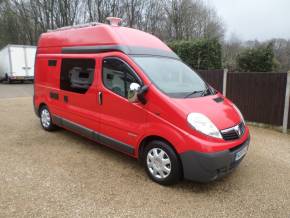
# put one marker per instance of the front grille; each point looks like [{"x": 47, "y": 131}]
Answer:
[{"x": 233, "y": 133}]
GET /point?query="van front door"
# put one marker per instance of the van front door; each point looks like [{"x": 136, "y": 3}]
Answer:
[{"x": 120, "y": 121}]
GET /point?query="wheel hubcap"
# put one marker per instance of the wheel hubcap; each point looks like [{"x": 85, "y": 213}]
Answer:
[
  {"x": 45, "y": 118},
  {"x": 158, "y": 163}
]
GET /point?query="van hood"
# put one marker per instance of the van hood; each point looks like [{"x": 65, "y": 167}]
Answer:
[{"x": 217, "y": 108}]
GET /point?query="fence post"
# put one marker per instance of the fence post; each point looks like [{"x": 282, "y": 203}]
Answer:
[
  {"x": 286, "y": 105},
  {"x": 225, "y": 82}
]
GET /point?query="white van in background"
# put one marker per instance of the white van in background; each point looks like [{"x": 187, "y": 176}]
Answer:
[{"x": 17, "y": 63}]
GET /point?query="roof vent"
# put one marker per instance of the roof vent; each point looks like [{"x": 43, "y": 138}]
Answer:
[{"x": 114, "y": 21}]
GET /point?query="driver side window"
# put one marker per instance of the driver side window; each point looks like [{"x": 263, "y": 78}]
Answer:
[{"x": 117, "y": 76}]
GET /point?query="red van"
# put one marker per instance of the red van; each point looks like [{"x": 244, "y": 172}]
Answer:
[{"x": 126, "y": 89}]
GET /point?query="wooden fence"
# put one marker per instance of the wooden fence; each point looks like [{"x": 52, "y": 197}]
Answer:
[
  {"x": 260, "y": 96},
  {"x": 213, "y": 77}
]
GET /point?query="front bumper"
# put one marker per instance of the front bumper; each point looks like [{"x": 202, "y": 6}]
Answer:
[{"x": 207, "y": 167}]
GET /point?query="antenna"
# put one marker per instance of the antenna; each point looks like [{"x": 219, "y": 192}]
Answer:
[{"x": 114, "y": 21}]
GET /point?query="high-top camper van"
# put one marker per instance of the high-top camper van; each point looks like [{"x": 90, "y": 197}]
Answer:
[
  {"x": 126, "y": 89},
  {"x": 17, "y": 63}
]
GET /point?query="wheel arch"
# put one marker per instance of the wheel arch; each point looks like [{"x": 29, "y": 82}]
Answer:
[
  {"x": 170, "y": 134},
  {"x": 148, "y": 139},
  {"x": 40, "y": 106}
]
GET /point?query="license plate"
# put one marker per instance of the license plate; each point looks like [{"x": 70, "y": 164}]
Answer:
[
  {"x": 20, "y": 77},
  {"x": 241, "y": 153}
]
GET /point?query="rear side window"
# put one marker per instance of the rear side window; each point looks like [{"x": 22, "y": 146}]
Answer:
[
  {"x": 117, "y": 76},
  {"x": 77, "y": 75}
]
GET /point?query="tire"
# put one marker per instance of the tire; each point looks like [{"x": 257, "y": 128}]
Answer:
[
  {"x": 46, "y": 119},
  {"x": 7, "y": 79},
  {"x": 162, "y": 163}
]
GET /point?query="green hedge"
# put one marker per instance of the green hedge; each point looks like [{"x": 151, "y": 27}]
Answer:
[
  {"x": 200, "y": 54},
  {"x": 260, "y": 59}
]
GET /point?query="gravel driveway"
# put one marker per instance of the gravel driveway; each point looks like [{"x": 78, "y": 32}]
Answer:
[
  {"x": 15, "y": 90},
  {"x": 64, "y": 175}
]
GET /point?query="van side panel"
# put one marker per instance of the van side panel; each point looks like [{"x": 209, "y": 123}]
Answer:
[
  {"x": 47, "y": 75},
  {"x": 75, "y": 107},
  {"x": 46, "y": 81}
]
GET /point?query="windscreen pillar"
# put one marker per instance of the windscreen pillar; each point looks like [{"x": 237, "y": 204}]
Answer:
[{"x": 286, "y": 105}]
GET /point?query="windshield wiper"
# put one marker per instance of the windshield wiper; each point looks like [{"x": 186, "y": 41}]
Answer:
[
  {"x": 193, "y": 93},
  {"x": 203, "y": 92},
  {"x": 206, "y": 91}
]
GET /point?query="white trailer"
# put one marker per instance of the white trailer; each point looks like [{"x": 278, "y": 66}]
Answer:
[{"x": 17, "y": 63}]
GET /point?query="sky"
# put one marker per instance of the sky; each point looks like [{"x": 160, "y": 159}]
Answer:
[{"x": 254, "y": 19}]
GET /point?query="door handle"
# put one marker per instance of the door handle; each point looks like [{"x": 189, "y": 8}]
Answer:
[{"x": 100, "y": 98}]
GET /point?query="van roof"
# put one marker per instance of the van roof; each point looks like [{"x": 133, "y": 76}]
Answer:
[{"x": 100, "y": 38}]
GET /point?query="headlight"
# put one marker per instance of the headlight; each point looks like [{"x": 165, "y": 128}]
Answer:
[
  {"x": 239, "y": 112},
  {"x": 203, "y": 124}
]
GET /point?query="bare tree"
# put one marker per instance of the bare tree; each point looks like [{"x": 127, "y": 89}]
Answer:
[
  {"x": 231, "y": 50},
  {"x": 168, "y": 19},
  {"x": 192, "y": 19},
  {"x": 281, "y": 49}
]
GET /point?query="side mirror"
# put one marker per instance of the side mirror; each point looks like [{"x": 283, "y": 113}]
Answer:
[
  {"x": 136, "y": 93},
  {"x": 133, "y": 92}
]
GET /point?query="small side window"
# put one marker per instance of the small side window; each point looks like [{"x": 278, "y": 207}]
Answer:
[
  {"x": 117, "y": 76},
  {"x": 77, "y": 75},
  {"x": 52, "y": 63}
]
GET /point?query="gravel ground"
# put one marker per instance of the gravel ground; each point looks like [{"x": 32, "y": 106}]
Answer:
[
  {"x": 15, "y": 90},
  {"x": 64, "y": 175}
]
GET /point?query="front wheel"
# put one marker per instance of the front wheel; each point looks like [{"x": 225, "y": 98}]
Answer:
[
  {"x": 161, "y": 163},
  {"x": 46, "y": 119}
]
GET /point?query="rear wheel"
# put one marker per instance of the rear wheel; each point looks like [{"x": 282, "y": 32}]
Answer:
[
  {"x": 46, "y": 119},
  {"x": 7, "y": 79},
  {"x": 161, "y": 163}
]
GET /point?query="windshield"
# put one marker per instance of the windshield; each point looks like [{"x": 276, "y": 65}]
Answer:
[{"x": 172, "y": 77}]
